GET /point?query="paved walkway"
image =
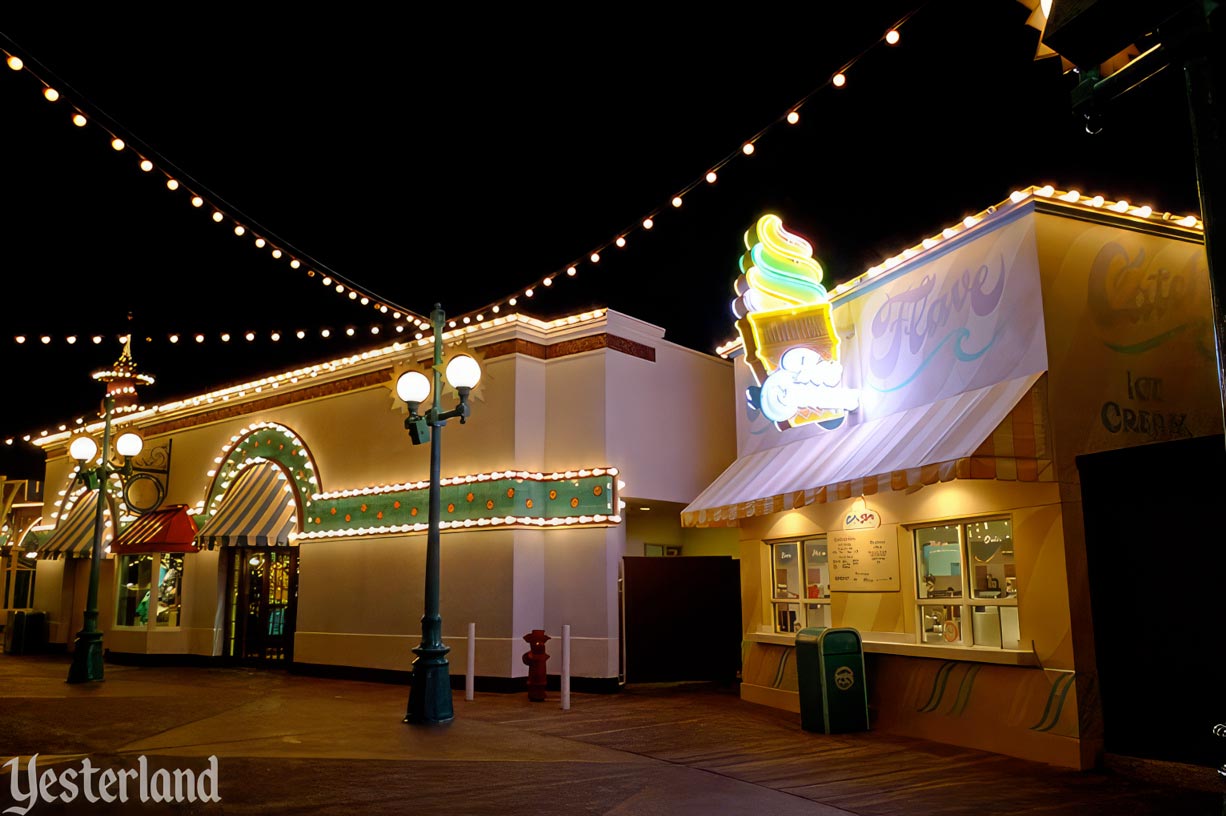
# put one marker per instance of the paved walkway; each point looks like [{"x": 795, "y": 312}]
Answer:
[{"x": 289, "y": 744}]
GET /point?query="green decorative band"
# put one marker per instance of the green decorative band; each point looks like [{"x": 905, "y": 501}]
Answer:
[{"x": 559, "y": 500}]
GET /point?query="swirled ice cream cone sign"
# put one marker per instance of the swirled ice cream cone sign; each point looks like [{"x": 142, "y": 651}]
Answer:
[{"x": 783, "y": 317}]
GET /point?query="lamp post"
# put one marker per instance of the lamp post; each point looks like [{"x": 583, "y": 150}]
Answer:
[
  {"x": 121, "y": 381},
  {"x": 430, "y": 686}
]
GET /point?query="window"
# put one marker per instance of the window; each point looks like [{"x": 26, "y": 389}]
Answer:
[
  {"x": 143, "y": 601},
  {"x": 18, "y": 567},
  {"x": 800, "y": 591},
  {"x": 967, "y": 592}
]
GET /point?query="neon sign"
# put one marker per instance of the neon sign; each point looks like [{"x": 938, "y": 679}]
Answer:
[{"x": 783, "y": 317}]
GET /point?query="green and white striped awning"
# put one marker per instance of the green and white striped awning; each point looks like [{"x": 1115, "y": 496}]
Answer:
[
  {"x": 73, "y": 536},
  {"x": 259, "y": 510}
]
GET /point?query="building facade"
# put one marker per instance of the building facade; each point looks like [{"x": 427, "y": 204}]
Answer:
[{"x": 925, "y": 490}]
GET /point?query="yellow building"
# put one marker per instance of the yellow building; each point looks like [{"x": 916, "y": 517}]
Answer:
[{"x": 925, "y": 490}]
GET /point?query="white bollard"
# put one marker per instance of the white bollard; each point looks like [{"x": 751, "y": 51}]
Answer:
[
  {"x": 472, "y": 660},
  {"x": 566, "y": 667}
]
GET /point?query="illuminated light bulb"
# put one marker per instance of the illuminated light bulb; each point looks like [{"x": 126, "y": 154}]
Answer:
[
  {"x": 218, "y": 217},
  {"x": 225, "y": 337},
  {"x": 199, "y": 338},
  {"x": 326, "y": 281},
  {"x": 240, "y": 230},
  {"x": 117, "y": 143},
  {"x": 1047, "y": 191},
  {"x": 51, "y": 94},
  {"x": 891, "y": 36},
  {"x": 250, "y": 336},
  {"x": 1144, "y": 212},
  {"x": 45, "y": 340},
  {"x": 78, "y": 120},
  {"x": 97, "y": 338},
  {"x": 71, "y": 339},
  {"x": 594, "y": 257},
  {"x": 1017, "y": 196},
  {"x": 621, "y": 241},
  {"x": 570, "y": 271},
  {"x": 498, "y": 309},
  {"x": 353, "y": 295},
  {"x": 325, "y": 333},
  {"x": 793, "y": 117},
  {"x": 15, "y": 63},
  {"x": 1097, "y": 201},
  {"x": 1187, "y": 221},
  {"x": 466, "y": 321},
  {"x": 259, "y": 242},
  {"x": 349, "y": 331},
  {"x": 300, "y": 334},
  {"x": 20, "y": 339},
  {"x": 928, "y": 243},
  {"x": 294, "y": 264},
  {"x": 711, "y": 177},
  {"x": 340, "y": 288},
  {"x": 676, "y": 201},
  {"x": 174, "y": 338},
  {"x": 529, "y": 292},
  {"x": 1072, "y": 196},
  {"x": 1119, "y": 206},
  {"x": 197, "y": 201},
  {"x": 970, "y": 221},
  {"x": 480, "y": 317},
  {"x": 365, "y": 301},
  {"x": 512, "y": 301},
  {"x": 648, "y": 223},
  {"x": 747, "y": 148},
  {"x": 839, "y": 79},
  {"x": 547, "y": 282}
]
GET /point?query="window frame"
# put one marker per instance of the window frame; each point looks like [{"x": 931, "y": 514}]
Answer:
[
  {"x": 969, "y": 600},
  {"x": 157, "y": 560},
  {"x": 807, "y": 607}
]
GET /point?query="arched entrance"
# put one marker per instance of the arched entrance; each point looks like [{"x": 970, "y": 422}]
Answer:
[{"x": 255, "y": 523}]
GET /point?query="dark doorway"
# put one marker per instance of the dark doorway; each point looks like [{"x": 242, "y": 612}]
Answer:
[
  {"x": 262, "y": 603},
  {"x": 682, "y": 618},
  {"x": 1156, "y": 568}
]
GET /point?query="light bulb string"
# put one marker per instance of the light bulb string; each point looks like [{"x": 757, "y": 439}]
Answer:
[
  {"x": 647, "y": 222},
  {"x": 344, "y": 285}
]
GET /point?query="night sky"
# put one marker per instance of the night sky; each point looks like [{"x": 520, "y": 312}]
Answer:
[{"x": 459, "y": 158}]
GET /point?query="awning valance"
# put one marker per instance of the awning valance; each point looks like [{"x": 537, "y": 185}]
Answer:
[
  {"x": 997, "y": 432},
  {"x": 259, "y": 510},
  {"x": 167, "y": 529},
  {"x": 74, "y": 535}
]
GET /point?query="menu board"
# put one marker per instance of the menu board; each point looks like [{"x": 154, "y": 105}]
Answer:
[{"x": 864, "y": 560}]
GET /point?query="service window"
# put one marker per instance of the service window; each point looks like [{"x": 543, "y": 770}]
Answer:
[
  {"x": 800, "y": 578},
  {"x": 967, "y": 584}
]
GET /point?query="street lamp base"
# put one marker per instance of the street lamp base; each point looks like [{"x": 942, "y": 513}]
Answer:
[
  {"x": 86, "y": 658},
  {"x": 430, "y": 688}
]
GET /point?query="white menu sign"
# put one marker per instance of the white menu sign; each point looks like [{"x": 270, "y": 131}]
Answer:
[{"x": 864, "y": 560}]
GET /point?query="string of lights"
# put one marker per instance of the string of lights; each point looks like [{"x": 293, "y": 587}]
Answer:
[{"x": 229, "y": 216}]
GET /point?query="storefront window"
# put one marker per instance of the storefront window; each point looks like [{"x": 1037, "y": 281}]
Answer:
[
  {"x": 800, "y": 593},
  {"x": 149, "y": 592},
  {"x": 966, "y": 574},
  {"x": 18, "y": 567}
]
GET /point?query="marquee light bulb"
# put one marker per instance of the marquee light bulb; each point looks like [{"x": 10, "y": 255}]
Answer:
[
  {"x": 676, "y": 201},
  {"x": 839, "y": 80},
  {"x": 117, "y": 143},
  {"x": 51, "y": 95},
  {"x": 648, "y": 223},
  {"x": 711, "y": 177},
  {"x": 793, "y": 117},
  {"x": 891, "y": 36},
  {"x": 747, "y": 148},
  {"x": 78, "y": 120},
  {"x": 15, "y": 63}
]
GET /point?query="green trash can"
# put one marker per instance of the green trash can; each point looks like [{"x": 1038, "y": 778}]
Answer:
[{"x": 830, "y": 675}]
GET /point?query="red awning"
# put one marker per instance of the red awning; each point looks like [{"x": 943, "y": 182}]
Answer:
[{"x": 166, "y": 529}]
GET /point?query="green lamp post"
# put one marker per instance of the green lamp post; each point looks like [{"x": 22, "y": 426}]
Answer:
[
  {"x": 121, "y": 380},
  {"x": 430, "y": 686}
]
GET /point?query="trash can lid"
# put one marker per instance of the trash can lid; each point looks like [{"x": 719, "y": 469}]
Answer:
[
  {"x": 810, "y": 634},
  {"x": 839, "y": 641}
]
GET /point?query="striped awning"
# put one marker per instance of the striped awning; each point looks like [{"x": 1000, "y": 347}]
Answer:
[
  {"x": 167, "y": 529},
  {"x": 74, "y": 534},
  {"x": 259, "y": 510},
  {"x": 997, "y": 432}
]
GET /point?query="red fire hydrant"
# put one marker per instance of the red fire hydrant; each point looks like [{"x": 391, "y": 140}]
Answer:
[{"x": 535, "y": 659}]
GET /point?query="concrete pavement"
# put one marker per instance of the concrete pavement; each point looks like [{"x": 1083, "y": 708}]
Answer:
[{"x": 291, "y": 744}]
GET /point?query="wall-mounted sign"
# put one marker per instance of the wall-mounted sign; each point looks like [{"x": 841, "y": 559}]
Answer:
[
  {"x": 864, "y": 560},
  {"x": 861, "y": 517},
  {"x": 783, "y": 317}
]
